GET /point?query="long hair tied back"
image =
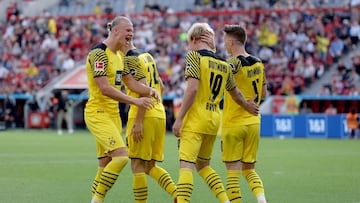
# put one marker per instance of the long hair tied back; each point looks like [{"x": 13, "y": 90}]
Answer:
[
  {"x": 109, "y": 26},
  {"x": 115, "y": 21}
]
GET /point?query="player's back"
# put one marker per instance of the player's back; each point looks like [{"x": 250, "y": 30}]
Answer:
[
  {"x": 213, "y": 74},
  {"x": 250, "y": 77}
]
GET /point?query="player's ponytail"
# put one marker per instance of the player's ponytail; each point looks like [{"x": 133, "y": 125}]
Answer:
[
  {"x": 116, "y": 21},
  {"x": 109, "y": 26}
]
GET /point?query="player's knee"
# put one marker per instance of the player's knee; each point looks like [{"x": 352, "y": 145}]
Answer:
[
  {"x": 120, "y": 160},
  {"x": 201, "y": 164},
  {"x": 149, "y": 165},
  {"x": 246, "y": 166},
  {"x": 138, "y": 166}
]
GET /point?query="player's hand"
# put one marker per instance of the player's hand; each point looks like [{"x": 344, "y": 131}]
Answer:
[
  {"x": 252, "y": 107},
  {"x": 155, "y": 94},
  {"x": 137, "y": 132},
  {"x": 144, "y": 102},
  {"x": 176, "y": 127},
  {"x": 207, "y": 38}
]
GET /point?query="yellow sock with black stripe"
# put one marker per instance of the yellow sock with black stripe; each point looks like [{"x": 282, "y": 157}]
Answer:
[
  {"x": 109, "y": 176},
  {"x": 214, "y": 182},
  {"x": 163, "y": 178},
  {"x": 233, "y": 185},
  {"x": 255, "y": 183},
  {"x": 185, "y": 185},
  {"x": 96, "y": 180},
  {"x": 140, "y": 187}
]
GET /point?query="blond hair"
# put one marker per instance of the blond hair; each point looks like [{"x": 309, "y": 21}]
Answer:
[{"x": 197, "y": 30}]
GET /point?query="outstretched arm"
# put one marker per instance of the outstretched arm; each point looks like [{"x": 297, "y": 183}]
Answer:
[
  {"x": 108, "y": 90},
  {"x": 140, "y": 88}
]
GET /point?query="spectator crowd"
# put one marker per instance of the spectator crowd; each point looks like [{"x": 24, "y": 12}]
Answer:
[{"x": 296, "y": 42}]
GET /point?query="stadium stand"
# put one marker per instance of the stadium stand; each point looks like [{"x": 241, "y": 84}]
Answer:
[{"x": 299, "y": 41}]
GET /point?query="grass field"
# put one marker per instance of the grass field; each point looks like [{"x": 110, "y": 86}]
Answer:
[{"x": 38, "y": 166}]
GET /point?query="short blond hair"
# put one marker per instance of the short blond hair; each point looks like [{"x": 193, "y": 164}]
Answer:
[{"x": 197, "y": 30}]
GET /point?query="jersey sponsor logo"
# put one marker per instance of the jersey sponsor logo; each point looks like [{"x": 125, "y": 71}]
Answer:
[{"x": 99, "y": 66}]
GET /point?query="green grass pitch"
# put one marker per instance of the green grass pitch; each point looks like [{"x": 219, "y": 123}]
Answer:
[{"x": 38, "y": 166}]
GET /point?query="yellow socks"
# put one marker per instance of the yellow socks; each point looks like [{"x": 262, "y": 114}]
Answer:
[
  {"x": 109, "y": 176},
  {"x": 163, "y": 178},
  {"x": 213, "y": 180},
  {"x": 140, "y": 187},
  {"x": 185, "y": 185},
  {"x": 96, "y": 180},
  {"x": 233, "y": 186},
  {"x": 255, "y": 184}
]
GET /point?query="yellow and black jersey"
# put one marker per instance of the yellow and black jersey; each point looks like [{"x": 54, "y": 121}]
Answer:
[
  {"x": 142, "y": 65},
  {"x": 250, "y": 77},
  {"x": 101, "y": 61},
  {"x": 215, "y": 76}
]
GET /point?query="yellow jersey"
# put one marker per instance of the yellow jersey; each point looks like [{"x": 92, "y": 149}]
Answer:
[
  {"x": 142, "y": 65},
  {"x": 101, "y": 61},
  {"x": 250, "y": 77},
  {"x": 215, "y": 76}
]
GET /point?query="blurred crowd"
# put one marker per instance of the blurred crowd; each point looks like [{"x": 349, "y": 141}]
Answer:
[{"x": 297, "y": 43}]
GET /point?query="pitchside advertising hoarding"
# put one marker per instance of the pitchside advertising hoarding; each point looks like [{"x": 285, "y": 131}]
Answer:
[{"x": 311, "y": 125}]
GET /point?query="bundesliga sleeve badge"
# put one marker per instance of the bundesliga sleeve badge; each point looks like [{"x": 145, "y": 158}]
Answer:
[{"x": 99, "y": 66}]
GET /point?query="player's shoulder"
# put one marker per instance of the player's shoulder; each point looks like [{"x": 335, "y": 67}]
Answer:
[
  {"x": 98, "y": 50},
  {"x": 249, "y": 60},
  {"x": 99, "y": 47},
  {"x": 134, "y": 53},
  {"x": 205, "y": 52}
]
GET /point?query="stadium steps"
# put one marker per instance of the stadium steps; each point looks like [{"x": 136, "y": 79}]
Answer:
[
  {"x": 314, "y": 88},
  {"x": 36, "y": 7},
  {"x": 119, "y": 6},
  {"x": 43, "y": 95},
  {"x": 4, "y": 5}
]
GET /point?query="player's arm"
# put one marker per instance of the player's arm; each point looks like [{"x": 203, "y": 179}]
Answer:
[
  {"x": 139, "y": 87},
  {"x": 161, "y": 86},
  {"x": 250, "y": 105},
  {"x": 189, "y": 97},
  {"x": 107, "y": 90},
  {"x": 192, "y": 76},
  {"x": 132, "y": 63},
  {"x": 264, "y": 91},
  {"x": 133, "y": 69},
  {"x": 238, "y": 97},
  {"x": 98, "y": 62},
  {"x": 264, "y": 87},
  {"x": 137, "y": 128}
]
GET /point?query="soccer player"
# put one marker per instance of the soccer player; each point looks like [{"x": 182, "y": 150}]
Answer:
[
  {"x": 241, "y": 129},
  {"x": 146, "y": 130},
  {"x": 198, "y": 120},
  {"x": 104, "y": 66}
]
